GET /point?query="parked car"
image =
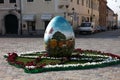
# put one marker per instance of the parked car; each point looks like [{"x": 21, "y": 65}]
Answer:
[
  {"x": 103, "y": 28},
  {"x": 87, "y": 27},
  {"x": 118, "y": 27},
  {"x": 98, "y": 29},
  {"x": 114, "y": 27}
]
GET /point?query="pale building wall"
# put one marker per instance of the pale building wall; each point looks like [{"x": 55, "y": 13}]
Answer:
[
  {"x": 110, "y": 18},
  {"x": 45, "y": 10},
  {"x": 6, "y": 5},
  {"x": 42, "y": 10},
  {"x": 2, "y": 14},
  {"x": 5, "y": 9}
]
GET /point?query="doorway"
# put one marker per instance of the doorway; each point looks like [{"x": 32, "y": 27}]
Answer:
[
  {"x": 11, "y": 24},
  {"x": 31, "y": 26},
  {"x": 46, "y": 24}
]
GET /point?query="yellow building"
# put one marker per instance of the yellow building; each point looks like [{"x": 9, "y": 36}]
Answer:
[
  {"x": 85, "y": 10},
  {"x": 103, "y": 13}
]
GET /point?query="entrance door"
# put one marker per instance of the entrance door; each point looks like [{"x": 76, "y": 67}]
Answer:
[
  {"x": 46, "y": 23},
  {"x": 31, "y": 26},
  {"x": 11, "y": 24}
]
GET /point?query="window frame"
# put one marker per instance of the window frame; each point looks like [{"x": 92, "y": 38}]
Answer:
[
  {"x": 12, "y": 1},
  {"x": 47, "y": 0},
  {"x": 30, "y": 0},
  {"x": 1, "y": 1}
]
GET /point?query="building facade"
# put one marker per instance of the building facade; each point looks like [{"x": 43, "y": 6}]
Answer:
[
  {"x": 84, "y": 11},
  {"x": 9, "y": 16},
  {"x": 29, "y": 16},
  {"x": 103, "y": 13},
  {"x": 110, "y": 17},
  {"x": 115, "y": 19}
]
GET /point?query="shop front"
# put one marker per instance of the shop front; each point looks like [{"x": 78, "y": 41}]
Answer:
[
  {"x": 46, "y": 19},
  {"x": 29, "y": 24}
]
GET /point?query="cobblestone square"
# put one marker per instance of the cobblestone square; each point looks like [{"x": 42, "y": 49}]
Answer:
[{"x": 108, "y": 41}]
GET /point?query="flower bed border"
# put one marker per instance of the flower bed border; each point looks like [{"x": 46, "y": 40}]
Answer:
[
  {"x": 40, "y": 70},
  {"x": 71, "y": 68}
]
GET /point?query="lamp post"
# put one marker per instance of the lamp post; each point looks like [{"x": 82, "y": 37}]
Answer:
[
  {"x": 21, "y": 17},
  {"x": 64, "y": 14},
  {"x": 66, "y": 11},
  {"x": 73, "y": 11}
]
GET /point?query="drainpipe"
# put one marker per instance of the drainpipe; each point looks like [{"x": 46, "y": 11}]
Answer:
[
  {"x": 20, "y": 17},
  {"x": 91, "y": 10}
]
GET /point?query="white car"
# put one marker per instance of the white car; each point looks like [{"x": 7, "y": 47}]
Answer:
[{"x": 87, "y": 27}]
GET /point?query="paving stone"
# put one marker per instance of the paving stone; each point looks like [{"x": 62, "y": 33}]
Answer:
[
  {"x": 105, "y": 42},
  {"x": 8, "y": 78}
]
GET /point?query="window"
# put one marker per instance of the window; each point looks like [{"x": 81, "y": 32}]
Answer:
[
  {"x": 12, "y": 1},
  {"x": 1, "y": 1},
  {"x": 31, "y": 26},
  {"x": 78, "y": 1},
  {"x": 87, "y": 3},
  {"x": 88, "y": 11},
  {"x": 85, "y": 24},
  {"x": 29, "y": 0},
  {"x": 47, "y": 0},
  {"x": 82, "y": 2}
]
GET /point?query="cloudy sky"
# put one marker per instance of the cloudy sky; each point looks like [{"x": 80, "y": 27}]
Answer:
[{"x": 115, "y": 6}]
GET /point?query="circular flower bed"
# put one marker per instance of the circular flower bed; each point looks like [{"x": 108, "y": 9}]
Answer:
[{"x": 37, "y": 62}]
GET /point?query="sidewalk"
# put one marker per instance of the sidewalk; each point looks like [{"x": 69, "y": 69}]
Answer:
[{"x": 21, "y": 36}]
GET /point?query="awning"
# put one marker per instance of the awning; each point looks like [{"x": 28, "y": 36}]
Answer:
[
  {"x": 46, "y": 16},
  {"x": 29, "y": 17}
]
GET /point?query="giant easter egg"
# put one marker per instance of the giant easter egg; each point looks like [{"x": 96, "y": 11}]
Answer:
[{"x": 59, "y": 38}]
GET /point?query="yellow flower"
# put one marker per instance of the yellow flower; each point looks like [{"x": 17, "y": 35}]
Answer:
[{"x": 53, "y": 43}]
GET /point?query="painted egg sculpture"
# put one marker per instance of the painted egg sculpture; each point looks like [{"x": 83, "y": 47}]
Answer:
[{"x": 59, "y": 38}]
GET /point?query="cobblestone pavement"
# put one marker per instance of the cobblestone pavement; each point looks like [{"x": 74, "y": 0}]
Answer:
[{"x": 106, "y": 41}]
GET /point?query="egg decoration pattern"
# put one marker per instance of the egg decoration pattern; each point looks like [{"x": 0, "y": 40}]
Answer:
[{"x": 59, "y": 38}]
